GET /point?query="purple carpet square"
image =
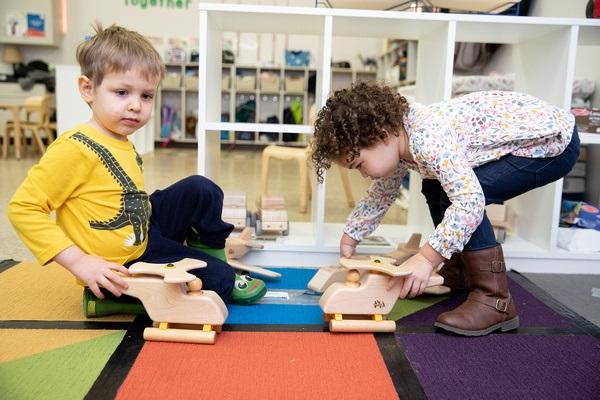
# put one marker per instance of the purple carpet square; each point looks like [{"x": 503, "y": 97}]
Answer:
[
  {"x": 532, "y": 312},
  {"x": 505, "y": 366}
]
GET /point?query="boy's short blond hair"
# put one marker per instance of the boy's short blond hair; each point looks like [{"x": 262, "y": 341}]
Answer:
[{"x": 117, "y": 49}]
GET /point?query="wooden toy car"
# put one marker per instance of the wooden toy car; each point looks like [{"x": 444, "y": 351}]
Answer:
[
  {"x": 235, "y": 211},
  {"x": 272, "y": 216}
]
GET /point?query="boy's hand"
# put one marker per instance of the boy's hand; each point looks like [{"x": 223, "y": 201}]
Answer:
[
  {"x": 94, "y": 271},
  {"x": 347, "y": 246},
  {"x": 415, "y": 283}
]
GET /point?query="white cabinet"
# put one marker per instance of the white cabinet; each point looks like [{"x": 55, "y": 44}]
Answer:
[{"x": 543, "y": 56}]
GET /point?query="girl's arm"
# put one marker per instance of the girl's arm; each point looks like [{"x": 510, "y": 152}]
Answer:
[{"x": 370, "y": 210}]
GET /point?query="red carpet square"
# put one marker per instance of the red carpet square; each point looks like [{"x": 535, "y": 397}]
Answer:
[{"x": 262, "y": 365}]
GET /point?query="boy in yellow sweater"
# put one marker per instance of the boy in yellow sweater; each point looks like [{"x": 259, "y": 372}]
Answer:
[{"x": 92, "y": 176}]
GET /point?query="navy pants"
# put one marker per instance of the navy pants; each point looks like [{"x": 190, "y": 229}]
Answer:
[
  {"x": 194, "y": 201},
  {"x": 501, "y": 180}
]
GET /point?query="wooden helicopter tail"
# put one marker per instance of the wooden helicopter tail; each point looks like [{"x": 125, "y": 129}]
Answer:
[{"x": 413, "y": 242}]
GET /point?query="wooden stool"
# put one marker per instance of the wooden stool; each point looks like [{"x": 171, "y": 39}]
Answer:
[
  {"x": 300, "y": 155},
  {"x": 37, "y": 112}
]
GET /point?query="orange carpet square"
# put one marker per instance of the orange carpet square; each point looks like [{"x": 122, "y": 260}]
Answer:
[{"x": 262, "y": 365}]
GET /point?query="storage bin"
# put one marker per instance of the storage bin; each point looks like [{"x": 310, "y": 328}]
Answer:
[
  {"x": 245, "y": 82},
  {"x": 225, "y": 82},
  {"x": 172, "y": 80},
  {"x": 294, "y": 83},
  {"x": 191, "y": 82},
  {"x": 269, "y": 82}
]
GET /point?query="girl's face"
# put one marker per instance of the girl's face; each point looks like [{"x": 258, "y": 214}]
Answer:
[{"x": 377, "y": 161}]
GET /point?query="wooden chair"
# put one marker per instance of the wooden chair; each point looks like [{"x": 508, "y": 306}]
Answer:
[
  {"x": 299, "y": 155},
  {"x": 37, "y": 120}
]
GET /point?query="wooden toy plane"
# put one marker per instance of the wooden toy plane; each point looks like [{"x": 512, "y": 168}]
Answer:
[
  {"x": 171, "y": 295},
  {"x": 366, "y": 297},
  {"x": 328, "y": 275},
  {"x": 237, "y": 247}
]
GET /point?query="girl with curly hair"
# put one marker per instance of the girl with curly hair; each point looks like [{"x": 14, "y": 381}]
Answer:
[{"x": 478, "y": 149}]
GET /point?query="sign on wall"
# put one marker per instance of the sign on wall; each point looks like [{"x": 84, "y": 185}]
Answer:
[{"x": 143, "y": 4}]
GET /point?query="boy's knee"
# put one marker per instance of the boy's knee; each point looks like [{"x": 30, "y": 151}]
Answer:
[{"x": 203, "y": 185}]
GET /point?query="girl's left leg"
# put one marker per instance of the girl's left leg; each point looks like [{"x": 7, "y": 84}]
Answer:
[{"x": 490, "y": 305}]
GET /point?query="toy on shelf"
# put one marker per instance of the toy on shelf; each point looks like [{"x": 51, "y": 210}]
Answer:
[
  {"x": 171, "y": 295},
  {"x": 272, "y": 216},
  {"x": 235, "y": 211},
  {"x": 328, "y": 275},
  {"x": 237, "y": 247},
  {"x": 367, "y": 298}
]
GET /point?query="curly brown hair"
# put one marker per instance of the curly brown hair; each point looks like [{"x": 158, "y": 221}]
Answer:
[{"x": 354, "y": 119}]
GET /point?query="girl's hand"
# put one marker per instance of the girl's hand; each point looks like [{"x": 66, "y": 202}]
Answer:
[
  {"x": 94, "y": 271},
  {"x": 415, "y": 283},
  {"x": 347, "y": 246}
]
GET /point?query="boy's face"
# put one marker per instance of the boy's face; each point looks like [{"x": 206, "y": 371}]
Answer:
[
  {"x": 377, "y": 161},
  {"x": 122, "y": 103}
]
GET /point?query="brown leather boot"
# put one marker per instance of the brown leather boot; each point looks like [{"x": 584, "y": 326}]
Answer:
[
  {"x": 453, "y": 272},
  {"x": 489, "y": 305}
]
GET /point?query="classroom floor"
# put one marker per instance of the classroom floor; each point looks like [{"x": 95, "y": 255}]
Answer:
[{"x": 240, "y": 171}]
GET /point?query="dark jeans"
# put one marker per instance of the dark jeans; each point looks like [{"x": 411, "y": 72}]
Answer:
[
  {"x": 501, "y": 180},
  {"x": 193, "y": 201}
]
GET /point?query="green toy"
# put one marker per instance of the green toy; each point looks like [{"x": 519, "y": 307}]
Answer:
[
  {"x": 246, "y": 290},
  {"x": 95, "y": 307}
]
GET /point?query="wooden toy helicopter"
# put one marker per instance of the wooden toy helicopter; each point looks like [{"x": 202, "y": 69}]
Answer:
[
  {"x": 237, "y": 247},
  {"x": 358, "y": 287},
  {"x": 328, "y": 275},
  {"x": 366, "y": 297},
  {"x": 171, "y": 295}
]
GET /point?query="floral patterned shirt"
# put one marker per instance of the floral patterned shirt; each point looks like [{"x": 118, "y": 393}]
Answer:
[{"x": 448, "y": 139}]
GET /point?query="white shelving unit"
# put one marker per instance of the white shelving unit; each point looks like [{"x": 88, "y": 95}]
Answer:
[
  {"x": 398, "y": 63},
  {"x": 179, "y": 92},
  {"x": 270, "y": 90},
  {"x": 544, "y": 53}
]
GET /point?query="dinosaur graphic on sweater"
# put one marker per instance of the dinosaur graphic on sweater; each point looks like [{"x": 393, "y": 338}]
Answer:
[{"x": 135, "y": 206}]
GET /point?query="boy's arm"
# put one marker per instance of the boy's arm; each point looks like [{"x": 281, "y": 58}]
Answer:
[{"x": 47, "y": 186}]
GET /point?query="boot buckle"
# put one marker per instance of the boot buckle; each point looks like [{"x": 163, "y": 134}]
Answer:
[
  {"x": 497, "y": 266},
  {"x": 501, "y": 305}
]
